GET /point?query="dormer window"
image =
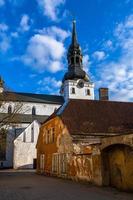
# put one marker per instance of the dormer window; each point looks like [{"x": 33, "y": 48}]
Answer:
[
  {"x": 72, "y": 90},
  {"x": 33, "y": 111},
  {"x": 9, "y": 109}
]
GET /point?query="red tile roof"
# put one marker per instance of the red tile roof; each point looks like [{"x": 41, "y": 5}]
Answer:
[{"x": 97, "y": 117}]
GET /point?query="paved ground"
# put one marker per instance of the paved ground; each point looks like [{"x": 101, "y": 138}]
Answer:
[{"x": 30, "y": 186}]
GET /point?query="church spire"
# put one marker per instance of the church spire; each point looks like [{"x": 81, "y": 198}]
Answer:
[
  {"x": 75, "y": 59},
  {"x": 74, "y": 34},
  {"x": 76, "y": 83}
]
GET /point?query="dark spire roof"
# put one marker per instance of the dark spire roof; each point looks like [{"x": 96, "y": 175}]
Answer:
[
  {"x": 75, "y": 57},
  {"x": 74, "y": 34}
]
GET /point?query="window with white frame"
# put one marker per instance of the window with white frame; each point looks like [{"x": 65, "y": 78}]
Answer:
[
  {"x": 55, "y": 163},
  {"x": 50, "y": 136},
  {"x": 42, "y": 161},
  {"x": 63, "y": 162}
]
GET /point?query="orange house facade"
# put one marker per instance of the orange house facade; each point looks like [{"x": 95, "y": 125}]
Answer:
[
  {"x": 87, "y": 141},
  {"x": 59, "y": 156}
]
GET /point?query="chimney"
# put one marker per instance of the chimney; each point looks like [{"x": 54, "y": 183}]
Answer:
[{"x": 103, "y": 94}]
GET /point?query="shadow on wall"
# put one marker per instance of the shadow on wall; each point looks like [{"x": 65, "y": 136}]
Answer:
[
  {"x": 117, "y": 165},
  {"x": 29, "y": 166}
]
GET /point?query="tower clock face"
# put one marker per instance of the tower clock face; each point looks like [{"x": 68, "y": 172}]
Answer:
[{"x": 80, "y": 83}]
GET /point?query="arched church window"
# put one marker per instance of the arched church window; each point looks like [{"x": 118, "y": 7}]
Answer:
[
  {"x": 33, "y": 111},
  {"x": 72, "y": 90},
  {"x": 9, "y": 109}
]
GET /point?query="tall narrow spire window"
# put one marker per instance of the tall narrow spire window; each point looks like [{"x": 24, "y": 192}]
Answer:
[
  {"x": 77, "y": 59},
  {"x": 72, "y": 60}
]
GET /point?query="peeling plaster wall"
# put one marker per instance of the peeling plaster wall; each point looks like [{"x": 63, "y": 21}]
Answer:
[
  {"x": 79, "y": 159},
  {"x": 80, "y": 168},
  {"x": 85, "y": 155}
]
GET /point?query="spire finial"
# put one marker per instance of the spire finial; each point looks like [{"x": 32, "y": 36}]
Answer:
[{"x": 74, "y": 34}]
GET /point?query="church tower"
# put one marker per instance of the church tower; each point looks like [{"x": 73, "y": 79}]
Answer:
[{"x": 76, "y": 83}]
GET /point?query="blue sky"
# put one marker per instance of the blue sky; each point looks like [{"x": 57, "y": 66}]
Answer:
[{"x": 35, "y": 35}]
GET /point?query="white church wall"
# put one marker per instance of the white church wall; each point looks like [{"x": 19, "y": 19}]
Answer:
[
  {"x": 11, "y": 135},
  {"x": 17, "y": 128},
  {"x": 25, "y": 146},
  {"x": 26, "y": 108},
  {"x": 8, "y": 162}
]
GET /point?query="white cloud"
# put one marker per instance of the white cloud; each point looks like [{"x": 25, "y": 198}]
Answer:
[
  {"x": 99, "y": 55},
  {"x": 50, "y": 85},
  {"x": 55, "y": 32},
  {"x": 24, "y": 23},
  {"x": 118, "y": 75},
  {"x": 2, "y": 2},
  {"x": 3, "y": 27},
  {"x": 51, "y": 8},
  {"x": 4, "y": 38},
  {"x": 14, "y": 34},
  {"x": 86, "y": 62},
  {"x": 5, "y": 43},
  {"x": 45, "y": 52},
  {"x": 108, "y": 44}
]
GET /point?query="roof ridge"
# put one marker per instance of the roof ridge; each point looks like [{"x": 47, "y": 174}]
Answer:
[
  {"x": 32, "y": 93},
  {"x": 104, "y": 101}
]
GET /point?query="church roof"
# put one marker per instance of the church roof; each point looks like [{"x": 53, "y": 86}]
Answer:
[
  {"x": 29, "y": 97},
  {"x": 22, "y": 118},
  {"x": 94, "y": 117}
]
